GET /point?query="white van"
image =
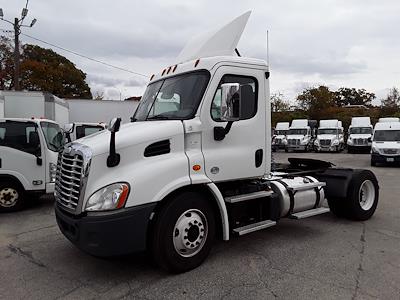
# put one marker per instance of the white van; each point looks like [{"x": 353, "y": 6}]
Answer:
[
  {"x": 330, "y": 136},
  {"x": 28, "y": 159},
  {"x": 386, "y": 143}
]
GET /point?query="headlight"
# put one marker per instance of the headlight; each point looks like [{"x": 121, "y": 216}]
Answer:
[
  {"x": 303, "y": 142},
  {"x": 52, "y": 172},
  {"x": 374, "y": 150},
  {"x": 350, "y": 141},
  {"x": 316, "y": 143},
  {"x": 109, "y": 197},
  {"x": 335, "y": 143}
]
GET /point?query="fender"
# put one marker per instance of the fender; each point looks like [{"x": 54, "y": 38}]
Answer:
[
  {"x": 222, "y": 209},
  {"x": 17, "y": 177}
]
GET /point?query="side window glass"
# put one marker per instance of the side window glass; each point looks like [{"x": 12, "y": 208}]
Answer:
[
  {"x": 21, "y": 136},
  {"x": 249, "y": 91}
]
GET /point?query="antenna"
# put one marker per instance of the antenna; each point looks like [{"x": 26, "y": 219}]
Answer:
[{"x": 268, "y": 48}]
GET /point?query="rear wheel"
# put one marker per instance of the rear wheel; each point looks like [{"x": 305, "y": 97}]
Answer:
[
  {"x": 183, "y": 233},
  {"x": 362, "y": 197},
  {"x": 11, "y": 197}
]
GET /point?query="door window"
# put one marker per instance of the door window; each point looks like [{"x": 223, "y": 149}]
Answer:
[
  {"x": 86, "y": 130},
  {"x": 22, "y": 136},
  {"x": 249, "y": 91}
]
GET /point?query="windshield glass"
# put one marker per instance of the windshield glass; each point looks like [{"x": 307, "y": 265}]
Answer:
[
  {"x": 328, "y": 131},
  {"x": 174, "y": 98},
  {"x": 297, "y": 132},
  {"x": 281, "y": 132},
  {"x": 53, "y": 135},
  {"x": 361, "y": 130},
  {"x": 387, "y": 136}
]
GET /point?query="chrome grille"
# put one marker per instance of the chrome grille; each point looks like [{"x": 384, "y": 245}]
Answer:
[
  {"x": 325, "y": 142},
  {"x": 360, "y": 142},
  {"x": 389, "y": 151},
  {"x": 294, "y": 142},
  {"x": 68, "y": 180},
  {"x": 277, "y": 141}
]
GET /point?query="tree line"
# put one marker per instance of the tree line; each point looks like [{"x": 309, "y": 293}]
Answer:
[{"x": 42, "y": 70}]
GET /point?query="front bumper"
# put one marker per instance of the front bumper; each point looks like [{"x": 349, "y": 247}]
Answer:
[
  {"x": 297, "y": 147},
  {"x": 279, "y": 146},
  {"x": 108, "y": 233},
  {"x": 327, "y": 148},
  {"x": 379, "y": 158},
  {"x": 50, "y": 187}
]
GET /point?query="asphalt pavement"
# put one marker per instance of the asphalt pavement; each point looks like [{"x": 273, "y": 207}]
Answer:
[{"x": 316, "y": 258}]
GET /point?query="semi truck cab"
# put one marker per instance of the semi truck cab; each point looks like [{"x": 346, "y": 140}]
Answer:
[
  {"x": 181, "y": 175},
  {"x": 300, "y": 135},
  {"x": 359, "y": 134},
  {"x": 330, "y": 136},
  {"x": 280, "y": 136},
  {"x": 28, "y": 159}
]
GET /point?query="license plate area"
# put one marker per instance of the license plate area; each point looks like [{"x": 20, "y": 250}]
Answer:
[{"x": 390, "y": 159}]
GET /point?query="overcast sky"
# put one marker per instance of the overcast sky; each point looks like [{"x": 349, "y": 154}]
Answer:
[{"x": 351, "y": 43}]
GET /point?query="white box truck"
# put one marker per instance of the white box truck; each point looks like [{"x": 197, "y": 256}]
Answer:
[
  {"x": 28, "y": 157},
  {"x": 359, "y": 134},
  {"x": 279, "y": 138},
  {"x": 330, "y": 136},
  {"x": 386, "y": 143},
  {"x": 388, "y": 119},
  {"x": 300, "y": 135},
  {"x": 35, "y": 104},
  {"x": 172, "y": 181}
]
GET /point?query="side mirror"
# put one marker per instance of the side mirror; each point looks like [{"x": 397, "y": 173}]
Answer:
[
  {"x": 370, "y": 140},
  {"x": 230, "y": 102},
  {"x": 114, "y": 125}
]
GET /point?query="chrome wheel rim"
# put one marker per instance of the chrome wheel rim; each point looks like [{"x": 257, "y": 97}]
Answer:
[
  {"x": 8, "y": 197},
  {"x": 367, "y": 195},
  {"x": 190, "y": 233}
]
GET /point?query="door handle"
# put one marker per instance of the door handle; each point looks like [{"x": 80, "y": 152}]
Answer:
[{"x": 259, "y": 157}]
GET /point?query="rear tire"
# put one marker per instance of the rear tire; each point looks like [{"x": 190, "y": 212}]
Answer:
[
  {"x": 362, "y": 197},
  {"x": 183, "y": 233},
  {"x": 12, "y": 197}
]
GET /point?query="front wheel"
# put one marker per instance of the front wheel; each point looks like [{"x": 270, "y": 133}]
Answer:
[
  {"x": 11, "y": 197},
  {"x": 183, "y": 233}
]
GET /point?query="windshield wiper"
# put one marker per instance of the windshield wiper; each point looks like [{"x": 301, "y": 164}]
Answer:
[{"x": 158, "y": 117}]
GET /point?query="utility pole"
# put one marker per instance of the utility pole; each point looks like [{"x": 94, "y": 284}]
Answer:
[{"x": 17, "y": 24}]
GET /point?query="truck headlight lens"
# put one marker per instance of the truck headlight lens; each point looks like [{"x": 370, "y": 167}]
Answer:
[
  {"x": 316, "y": 143},
  {"x": 52, "y": 172},
  {"x": 374, "y": 150},
  {"x": 109, "y": 197},
  {"x": 335, "y": 143},
  {"x": 350, "y": 141},
  {"x": 304, "y": 142}
]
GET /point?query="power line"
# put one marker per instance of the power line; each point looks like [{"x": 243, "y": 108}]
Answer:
[{"x": 84, "y": 56}]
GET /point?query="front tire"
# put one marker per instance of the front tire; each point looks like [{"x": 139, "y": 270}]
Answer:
[
  {"x": 12, "y": 197},
  {"x": 183, "y": 233}
]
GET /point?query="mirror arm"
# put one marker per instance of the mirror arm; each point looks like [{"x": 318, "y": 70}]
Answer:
[
  {"x": 113, "y": 158},
  {"x": 220, "y": 132}
]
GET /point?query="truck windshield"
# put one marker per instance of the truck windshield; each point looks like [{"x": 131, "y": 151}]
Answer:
[
  {"x": 361, "y": 130},
  {"x": 53, "y": 135},
  {"x": 281, "y": 132},
  {"x": 328, "y": 131},
  {"x": 387, "y": 136},
  {"x": 297, "y": 132},
  {"x": 174, "y": 98}
]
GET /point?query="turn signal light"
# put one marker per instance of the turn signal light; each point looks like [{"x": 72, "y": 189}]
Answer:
[{"x": 196, "y": 168}]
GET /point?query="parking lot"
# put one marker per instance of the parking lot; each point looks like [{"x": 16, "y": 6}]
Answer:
[{"x": 317, "y": 258}]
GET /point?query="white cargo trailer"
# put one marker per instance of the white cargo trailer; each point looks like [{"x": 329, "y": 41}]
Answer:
[
  {"x": 36, "y": 105},
  {"x": 96, "y": 111},
  {"x": 172, "y": 181}
]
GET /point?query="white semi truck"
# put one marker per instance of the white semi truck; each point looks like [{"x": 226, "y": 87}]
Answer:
[
  {"x": 28, "y": 159},
  {"x": 172, "y": 182},
  {"x": 301, "y": 135},
  {"x": 279, "y": 140},
  {"x": 386, "y": 143},
  {"x": 330, "y": 136},
  {"x": 359, "y": 134}
]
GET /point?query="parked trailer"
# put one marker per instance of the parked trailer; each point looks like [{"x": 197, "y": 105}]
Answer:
[
  {"x": 35, "y": 104},
  {"x": 28, "y": 158},
  {"x": 330, "y": 136},
  {"x": 173, "y": 181},
  {"x": 386, "y": 143},
  {"x": 96, "y": 111},
  {"x": 279, "y": 140},
  {"x": 359, "y": 134},
  {"x": 301, "y": 135}
]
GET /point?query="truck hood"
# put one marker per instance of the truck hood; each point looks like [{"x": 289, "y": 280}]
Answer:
[
  {"x": 295, "y": 137},
  {"x": 327, "y": 137},
  {"x": 133, "y": 134},
  {"x": 386, "y": 145},
  {"x": 360, "y": 136}
]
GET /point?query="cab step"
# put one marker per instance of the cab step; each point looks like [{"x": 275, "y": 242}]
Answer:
[
  {"x": 250, "y": 196},
  {"x": 254, "y": 227},
  {"x": 309, "y": 213}
]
